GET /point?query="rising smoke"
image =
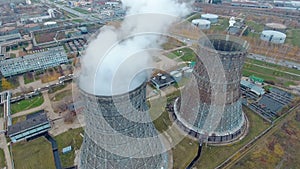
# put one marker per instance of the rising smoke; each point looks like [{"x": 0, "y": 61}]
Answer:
[{"x": 113, "y": 54}]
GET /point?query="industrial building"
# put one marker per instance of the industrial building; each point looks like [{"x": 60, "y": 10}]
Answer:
[
  {"x": 162, "y": 80},
  {"x": 34, "y": 125},
  {"x": 10, "y": 37},
  {"x": 201, "y": 23},
  {"x": 115, "y": 134},
  {"x": 217, "y": 116},
  {"x": 273, "y": 36},
  {"x": 246, "y": 85},
  {"x": 43, "y": 60},
  {"x": 210, "y": 17}
]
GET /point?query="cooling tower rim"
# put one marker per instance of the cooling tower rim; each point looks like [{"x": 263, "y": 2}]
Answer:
[
  {"x": 143, "y": 84},
  {"x": 205, "y": 44}
]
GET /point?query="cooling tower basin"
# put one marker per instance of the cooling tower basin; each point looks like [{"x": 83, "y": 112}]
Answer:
[
  {"x": 217, "y": 117},
  {"x": 117, "y": 131}
]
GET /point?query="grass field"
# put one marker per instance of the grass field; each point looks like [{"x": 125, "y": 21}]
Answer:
[
  {"x": 2, "y": 159},
  {"x": 59, "y": 96},
  {"x": 271, "y": 65},
  {"x": 186, "y": 149},
  {"x": 270, "y": 72},
  {"x": 212, "y": 156},
  {"x": 27, "y": 104},
  {"x": 35, "y": 154},
  {"x": 69, "y": 138},
  {"x": 57, "y": 88},
  {"x": 28, "y": 78},
  {"x": 221, "y": 26},
  {"x": 81, "y": 10},
  {"x": 293, "y": 37},
  {"x": 188, "y": 55},
  {"x": 279, "y": 150}
]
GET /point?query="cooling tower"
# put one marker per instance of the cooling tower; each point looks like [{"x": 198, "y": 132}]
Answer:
[
  {"x": 114, "y": 141},
  {"x": 217, "y": 117}
]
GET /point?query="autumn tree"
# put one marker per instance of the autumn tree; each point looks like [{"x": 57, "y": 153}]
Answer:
[{"x": 6, "y": 85}]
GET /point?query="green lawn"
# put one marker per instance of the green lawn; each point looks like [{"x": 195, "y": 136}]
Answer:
[
  {"x": 184, "y": 153},
  {"x": 27, "y": 104},
  {"x": 59, "y": 96},
  {"x": 78, "y": 20},
  {"x": 57, "y": 88},
  {"x": 186, "y": 149},
  {"x": 293, "y": 37},
  {"x": 194, "y": 16},
  {"x": 2, "y": 159},
  {"x": 212, "y": 156},
  {"x": 221, "y": 26},
  {"x": 81, "y": 10},
  {"x": 28, "y": 78},
  {"x": 35, "y": 154},
  {"x": 254, "y": 25},
  {"x": 189, "y": 55},
  {"x": 69, "y": 138},
  {"x": 270, "y": 72},
  {"x": 271, "y": 65}
]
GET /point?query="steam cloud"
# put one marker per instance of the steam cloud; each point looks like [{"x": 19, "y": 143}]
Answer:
[{"x": 112, "y": 64}]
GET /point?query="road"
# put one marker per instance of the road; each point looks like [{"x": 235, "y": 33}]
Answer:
[
  {"x": 293, "y": 74},
  {"x": 279, "y": 62}
]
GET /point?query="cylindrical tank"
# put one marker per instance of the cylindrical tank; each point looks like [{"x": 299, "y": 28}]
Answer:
[
  {"x": 201, "y": 23},
  {"x": 109, "y": 132},
  {"x": 218, "y": 120},
  {"x": 276, "y": 27},
  {"x": 211, "y": 17},
  {"x": 273, "y": 36}
]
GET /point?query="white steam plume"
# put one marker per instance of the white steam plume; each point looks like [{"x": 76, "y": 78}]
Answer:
[{"x": 112, "y": 55}]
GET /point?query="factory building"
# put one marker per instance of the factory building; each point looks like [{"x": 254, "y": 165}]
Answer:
[
  {"x": 34, "y": 125},
  {"x": 113, "y": 126},
  {"x": 210, "y": 17},
  {"x": 217, "y": 116},
  {"x": 273, "y": 36},
  {"x": 201, "y": 23},
  {"x": 43, "y": 60}
]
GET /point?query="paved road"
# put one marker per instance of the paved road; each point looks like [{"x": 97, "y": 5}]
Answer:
[
  {"x": 280, "y": 62},
  {"x": 293, "y": 74}
]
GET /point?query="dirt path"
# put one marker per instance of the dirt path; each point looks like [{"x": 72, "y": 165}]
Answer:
[{"x": 3, "y": 145}]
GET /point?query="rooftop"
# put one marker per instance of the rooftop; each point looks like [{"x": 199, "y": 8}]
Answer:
[
  {"x": 29, "y": 123},
  {"x": 52, "y": 57}
]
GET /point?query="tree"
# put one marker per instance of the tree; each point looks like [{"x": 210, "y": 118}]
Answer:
[{"x": 6, "y": 85}]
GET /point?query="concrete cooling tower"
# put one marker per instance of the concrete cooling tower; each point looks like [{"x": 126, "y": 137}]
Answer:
[
  {"x": 114, "y": 136},
  {"x": 218, "y": 115}
]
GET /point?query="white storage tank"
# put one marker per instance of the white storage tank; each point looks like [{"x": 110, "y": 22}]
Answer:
[
  {"x": 201, "y": 23},
  {"x": 273, "y": 36},
  {"x": 276, "y": 27},
  {"x": 211, "y": 17}
]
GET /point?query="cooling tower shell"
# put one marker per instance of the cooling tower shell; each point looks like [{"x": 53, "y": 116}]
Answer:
[
  {"x": 232, "y": 52},
  {"x": 102, "y": 110}
]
